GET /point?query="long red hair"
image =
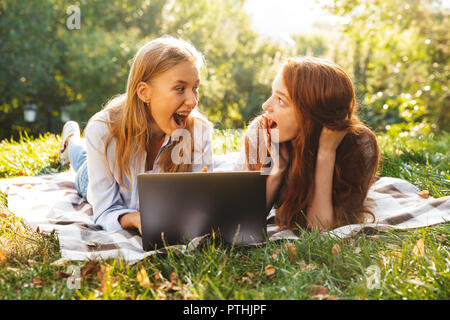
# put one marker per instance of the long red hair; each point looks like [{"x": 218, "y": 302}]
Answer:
[{"x": 324, "y": 96}]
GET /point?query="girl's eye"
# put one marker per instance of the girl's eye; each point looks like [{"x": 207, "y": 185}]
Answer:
[
  {"x": 280, "y": 101},
  {"x": 180, "y": 89}
]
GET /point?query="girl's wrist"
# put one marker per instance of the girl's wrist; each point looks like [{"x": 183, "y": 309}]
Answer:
[{"x": 326, "y": 152}]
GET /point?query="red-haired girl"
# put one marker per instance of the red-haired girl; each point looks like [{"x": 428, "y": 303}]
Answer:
[{"x": 326, "y": 158}]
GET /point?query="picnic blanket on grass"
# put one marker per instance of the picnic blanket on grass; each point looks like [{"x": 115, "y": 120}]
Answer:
[{"x": 52, "y": 204}]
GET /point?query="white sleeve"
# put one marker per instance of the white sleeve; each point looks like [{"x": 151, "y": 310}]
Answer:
[{"x": 103, "y": 190}]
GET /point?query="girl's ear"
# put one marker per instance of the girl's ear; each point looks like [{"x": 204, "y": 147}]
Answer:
[{"x": 144, "y": 91}]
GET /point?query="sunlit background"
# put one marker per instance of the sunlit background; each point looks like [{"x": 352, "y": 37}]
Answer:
[
  {"x": 397, "y": 54},
  {"x": 285, "y": 17}
]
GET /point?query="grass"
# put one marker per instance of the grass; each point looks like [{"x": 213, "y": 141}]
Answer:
[{"x": 413, "y": 264}]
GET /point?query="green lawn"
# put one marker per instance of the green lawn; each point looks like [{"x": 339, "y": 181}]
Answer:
[{"x": 414, "y": 264}]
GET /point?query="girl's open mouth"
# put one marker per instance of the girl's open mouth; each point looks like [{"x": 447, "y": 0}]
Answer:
[
  {"x": 272, "y": 124},
  {"x": 180, "y": 119},
  {"x": 269, "y": 123}
]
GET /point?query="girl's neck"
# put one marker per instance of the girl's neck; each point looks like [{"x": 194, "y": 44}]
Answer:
[{"x": 156, "y": 132}]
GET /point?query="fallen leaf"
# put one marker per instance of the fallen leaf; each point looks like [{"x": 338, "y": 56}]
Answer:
[
  {"x": 317, "y": 289},
  {"x": 419, "y": 248},
  {"x": 63, "y": 275},
  {"x": 336, "y": 249},
  {"x": 160, "y": 294},
  {"x": 158, "y": 276},
  {"x": 37, "y": 283},
  {"x": 103, "y": 272},
  {"x": 250, "y": 274},
  {"x": 103, "y": 276},
  {"x": 398, "y": 254},
  {"x": 173, "y": 277},
  {"x": 169, "y": 286},
  {"x": 269, "y": 270},
  {"x": 306, "y": 267},
  {"x": 246, "y": 279},
  {"x": 275, "y": 254},
  {"x": 242, "y": 260},
  {"x": 291, "y": 251},
  {"x": 142, "y": 278},
  {"x": 3, "y": 256},
  {"x": 357, "y": 250},
  {"x": 3, "y": 216},
  {"x": 349, "y": 241},
  {"x": 424, "y": 194},
  {"x": 311, "y": 266},
  {"x": 89, "y": 269},
  {"x": 439, "y": 238}
]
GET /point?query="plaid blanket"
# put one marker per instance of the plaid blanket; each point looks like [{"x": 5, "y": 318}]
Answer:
[{"x": 51, "y": 203}]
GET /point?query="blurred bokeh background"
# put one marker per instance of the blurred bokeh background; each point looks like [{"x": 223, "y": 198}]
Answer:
[{"x": 396, "y": 52}]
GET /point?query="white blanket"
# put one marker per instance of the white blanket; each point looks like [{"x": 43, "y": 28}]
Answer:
[{"x": 51, "y": 203}]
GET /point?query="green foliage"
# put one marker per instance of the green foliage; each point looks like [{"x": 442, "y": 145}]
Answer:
[
  {"x": 84, "y": 68},
  {"x": 411, "y": 151},
  {"x": 396, "y": 52},
  {"x": 399, "y": 57},
  {"x": 29, "y": 156}
]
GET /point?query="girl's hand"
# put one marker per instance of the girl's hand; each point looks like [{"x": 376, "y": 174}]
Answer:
[
  {"x": 131, "y": 220},
  {"x": 330, "y": 139},
  {"x": 280, "y": 157}
]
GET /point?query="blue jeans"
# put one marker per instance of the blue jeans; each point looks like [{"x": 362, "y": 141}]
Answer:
[{"x": 78, "y": 160}]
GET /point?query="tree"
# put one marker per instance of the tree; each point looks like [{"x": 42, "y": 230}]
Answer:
[
  {"x": 400, "y": 58},
  {"x": 55, "y": 66}
]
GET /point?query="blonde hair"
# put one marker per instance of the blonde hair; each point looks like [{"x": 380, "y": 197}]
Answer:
[{"x": 129, "y": 116}]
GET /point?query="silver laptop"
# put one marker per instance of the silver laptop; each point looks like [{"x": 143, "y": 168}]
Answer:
[{"x": 177, "y": 207}]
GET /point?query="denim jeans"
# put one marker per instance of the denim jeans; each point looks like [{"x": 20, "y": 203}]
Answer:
[{"x": 78, "y": 160}]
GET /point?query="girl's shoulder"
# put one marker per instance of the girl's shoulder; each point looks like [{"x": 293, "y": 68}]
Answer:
[
  {"x": 97, "y": 125},
  {"x": 201, "y": 123}
]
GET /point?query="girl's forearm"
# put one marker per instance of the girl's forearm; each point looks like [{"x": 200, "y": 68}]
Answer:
[{"x": 320, "y": 211}]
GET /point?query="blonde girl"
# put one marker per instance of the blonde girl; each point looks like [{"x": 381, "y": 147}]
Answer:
[{"x": 142, "y": 130}]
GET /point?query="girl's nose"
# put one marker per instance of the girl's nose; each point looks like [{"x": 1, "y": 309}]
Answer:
[
  {"x": 191, "y": 100},
  {"x": 266, "y": 106}
]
